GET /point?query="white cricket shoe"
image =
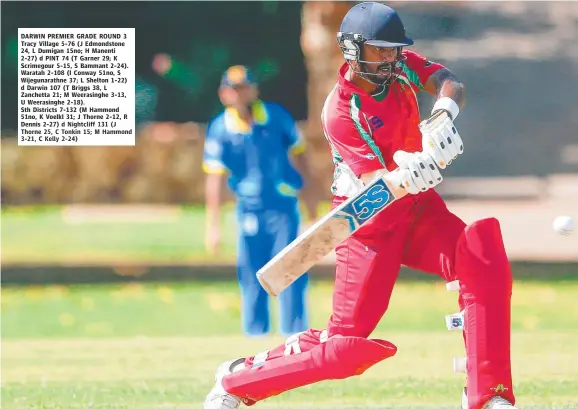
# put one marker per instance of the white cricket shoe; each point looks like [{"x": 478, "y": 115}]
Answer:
[
  {"x": 497, "y": 402},
  {"x": 218, "y": 397}
]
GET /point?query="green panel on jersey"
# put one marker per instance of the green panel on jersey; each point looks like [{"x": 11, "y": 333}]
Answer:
[
  {"x": 354, "y": 107},
  {"x": 411, "y": 75}
]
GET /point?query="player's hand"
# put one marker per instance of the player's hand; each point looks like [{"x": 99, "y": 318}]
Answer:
[
  {"x": 213, "y": 240},
  {"x": 441, "y": 140},
  {"x": 417, "y": 171}
]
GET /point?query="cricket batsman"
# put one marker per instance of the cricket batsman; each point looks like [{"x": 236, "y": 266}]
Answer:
[{"x": 371, "y": 120}]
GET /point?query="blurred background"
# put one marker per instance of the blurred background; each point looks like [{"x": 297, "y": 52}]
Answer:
[
  {"x": 143, "y": 204},
  {"x": 129, "y": 221}
]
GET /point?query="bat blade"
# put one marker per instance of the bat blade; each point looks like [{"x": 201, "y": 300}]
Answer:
[
  {"x": 302, "y": 254},
  {"x": 322, "y": 237}
]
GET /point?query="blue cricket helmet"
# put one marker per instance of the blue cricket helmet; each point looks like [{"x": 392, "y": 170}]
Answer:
[{"x": 375, "y": 24}]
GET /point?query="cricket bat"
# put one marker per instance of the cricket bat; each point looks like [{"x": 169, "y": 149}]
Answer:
[{"x": 328, "y": 232}]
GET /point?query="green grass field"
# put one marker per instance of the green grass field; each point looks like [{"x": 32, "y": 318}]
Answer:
[
  {"x": 44, "y": 235},
  {"x": 140, "y": 346}
]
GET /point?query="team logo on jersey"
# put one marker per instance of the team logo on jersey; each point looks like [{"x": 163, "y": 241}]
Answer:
[{"x": 375, "y": 123}]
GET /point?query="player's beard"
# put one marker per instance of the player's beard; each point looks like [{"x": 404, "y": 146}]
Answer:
[
  {"x": 380, "y": 75},
  {"x": 384, "y": 73}
]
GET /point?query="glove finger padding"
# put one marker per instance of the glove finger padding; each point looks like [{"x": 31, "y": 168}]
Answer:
[
  {"x": 417, "y": 171},
  {"x": 403, "y": 176},
  {"x": 441, "y": 139},
  {"x": 436, "y": 176},
  {"x": 405, "y": 180},
  {"x": 429, "y": 172},
  {"x": 457, "y": 140},
  {"x": 440, "y": 153},
  {"x": 450, "y": 141},
  {"x": 426, "y": 174}
]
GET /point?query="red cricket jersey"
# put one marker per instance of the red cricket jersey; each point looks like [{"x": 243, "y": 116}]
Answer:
[{"x": 364, "y": 131}]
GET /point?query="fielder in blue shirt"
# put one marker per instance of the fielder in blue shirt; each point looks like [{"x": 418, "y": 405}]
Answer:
[{"x": 254, "y": 145}]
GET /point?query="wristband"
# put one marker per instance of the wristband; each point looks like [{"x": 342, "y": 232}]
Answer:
[{"x": 447, "y": 104}]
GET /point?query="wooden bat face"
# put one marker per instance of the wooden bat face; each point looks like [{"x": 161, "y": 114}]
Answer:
[{"x": 321, "y": 238}]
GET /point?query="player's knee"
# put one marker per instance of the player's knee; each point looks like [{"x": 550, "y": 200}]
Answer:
[
  {"x": 481, "y": 255},
  {"x": 482, "y": 241},
  {"x": 341, "y": 356},
  {"x": 357, "y": 330},
  {"x": 351, "y": 356}
]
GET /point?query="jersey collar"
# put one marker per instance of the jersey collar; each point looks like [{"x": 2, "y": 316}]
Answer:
[
  {"x": 345, "y": 84},
  {"x": 234, "y": 123},
  {"x": 350, "y": 87}
]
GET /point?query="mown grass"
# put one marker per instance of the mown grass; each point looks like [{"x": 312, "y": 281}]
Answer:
[{"x": 157, "y": 345}]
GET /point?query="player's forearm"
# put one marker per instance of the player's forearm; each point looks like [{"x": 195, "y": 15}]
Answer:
[
  {"x": 213, "y": 200},
  {"x": 302, "y": 164},
  {"x": 445, "y": 83},
  {"x": 213, "y": 216},
  {"x": 367, "y": 178}
]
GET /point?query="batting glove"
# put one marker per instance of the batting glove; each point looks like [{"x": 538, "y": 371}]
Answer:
[
  {"x": 417, "y": 171},
  {"x": 440, "y": 138}
]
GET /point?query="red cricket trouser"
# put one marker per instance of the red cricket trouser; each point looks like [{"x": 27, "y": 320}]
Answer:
[{"x": 419, "y": 232}]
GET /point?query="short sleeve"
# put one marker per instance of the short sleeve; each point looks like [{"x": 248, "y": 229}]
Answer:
[
  {"x": 351, "y": 141},
  {"x": 292, "y": 137},
  {"x": 418, "y": 69},
  {"x": 213, "y": 150}
]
